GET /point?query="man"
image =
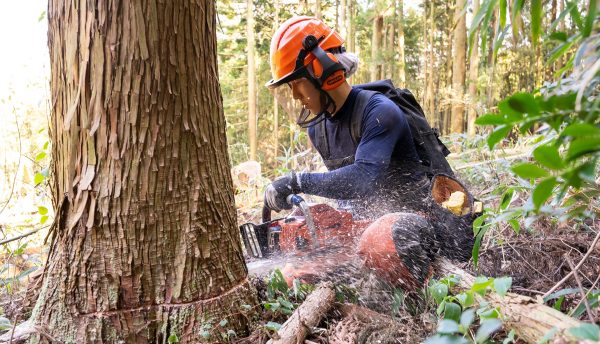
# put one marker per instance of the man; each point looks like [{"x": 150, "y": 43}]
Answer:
[{"x": 380, "y": 173}]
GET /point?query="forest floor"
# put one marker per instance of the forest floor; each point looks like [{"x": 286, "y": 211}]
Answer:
[{"x": 535, "y": 258}]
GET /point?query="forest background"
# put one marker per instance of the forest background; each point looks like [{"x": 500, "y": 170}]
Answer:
[{"x": 462, "y": 60}]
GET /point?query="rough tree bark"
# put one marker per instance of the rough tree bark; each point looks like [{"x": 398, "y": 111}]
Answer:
[
  {"x": 251, "y": 79},
  {"x": 458, "y": 68},
  {"x": 145, "y": 245}
]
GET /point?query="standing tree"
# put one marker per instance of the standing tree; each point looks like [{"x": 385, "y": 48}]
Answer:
[
  {"x": 145, "y": 244},
  {"x": 458, "y": 68},
  {"x": 473, "y": 73},
  {"x": 251, "y": 80},
  {"x": 401, "y": 59}
]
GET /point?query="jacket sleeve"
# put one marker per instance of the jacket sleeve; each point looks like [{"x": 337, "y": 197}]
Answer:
[{"x": 384, "y": 124}]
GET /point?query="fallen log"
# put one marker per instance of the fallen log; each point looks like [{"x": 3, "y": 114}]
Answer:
[
  {"x": 307, "y": 316},
  {"x": 530, "y": 318}
]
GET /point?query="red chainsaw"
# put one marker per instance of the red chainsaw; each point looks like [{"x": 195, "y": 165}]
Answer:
[{"x": 399, "y": 247}]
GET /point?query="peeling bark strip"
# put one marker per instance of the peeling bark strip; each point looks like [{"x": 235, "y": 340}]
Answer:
[{"x": 140, "y": 156}]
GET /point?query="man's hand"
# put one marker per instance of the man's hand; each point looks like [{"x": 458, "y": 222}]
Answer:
[{"x": 277, "y": 192}]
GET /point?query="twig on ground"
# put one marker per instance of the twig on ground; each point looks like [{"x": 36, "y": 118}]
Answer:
[
  {"x": 587, "y": 254},
  {"x": 587, "y": 305},
  {"x": 588, "y": 292},
  {"x": 12, "y": 332},
  {"x": 33, "y": 231}
]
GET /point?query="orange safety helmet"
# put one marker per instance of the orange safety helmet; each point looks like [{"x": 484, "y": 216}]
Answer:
[{"x": 301, "y": 42}]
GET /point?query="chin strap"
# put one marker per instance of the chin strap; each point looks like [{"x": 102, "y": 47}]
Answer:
[{"x": 325, "y": 113}]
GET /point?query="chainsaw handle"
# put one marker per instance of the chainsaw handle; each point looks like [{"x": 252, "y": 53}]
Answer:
[{"x": 292, "y": 199}]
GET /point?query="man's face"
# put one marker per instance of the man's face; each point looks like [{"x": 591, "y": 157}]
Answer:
[{"x": 307, "y": 94}]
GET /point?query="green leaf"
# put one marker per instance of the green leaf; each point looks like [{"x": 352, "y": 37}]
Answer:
[
  {"x": 273, "y": 326},
  {"x": 497, "y": 135},
  {"x": 466, "y": 299},
  {"x": 439, "y": 292},
  {"x": 5, "y": 324},
  {"x": 506, "y": 199},
  {"x": 548, "y": 156},
  {"x": 205, "y": 334},
  {"x": 477, "y": 244},
  {"x": 593, "y": 301},
  {"x": 510, "y": 338},
  {"x": 559, "y": 36},
  {"x": 562, "y": 292},
  {"x": 43, "y": 219},
  {"x": 223, "y": 323},
  {"x": 559, "y": 51},
  {"x": 529, "y": 171},
  {"x": 444, "y": 339},
  {"x": 40, "y": 156},
  {"x": 42, "y": 210},
  {"x": 38, "y": 178},
  {"x": 447, "y": 326},
  {"x": 487, "y": 328},
  {"x": 467, "y": 318},
  {"x": 515, "y": 9},
  {"x": 581, "y": 129},
  {"x": 285, "y": 303},
  {"x": 589, "y": 19},
  {"x": 536, "y": 20},
  {"x": 45, "y": 145},
  {"x": 559, "y": 303},
  {"x": 492, "y": 313},
  {"x": 549, "y": 335},
  {"x": 452, "y": 311},
  {"x": 490, "y": 119},
  {"x": 502, "y": 14},
  {"x": 524, "y": 102},
  {"x": 173, "y": 338},
  {"x": 502, "y": 284},
  {"x": 542, "y": 191},
  {"x": 581, "y": 146},
  {"x": 575, "y": 16},
  {"x": 510, "y": 115},
  {"x": 516, "y": 226},
  {"x": 481, "y": 283},
  {"x": 586, "y": 331}
]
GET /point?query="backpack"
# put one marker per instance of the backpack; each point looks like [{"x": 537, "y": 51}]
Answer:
[{"x": 430, "y": 148}]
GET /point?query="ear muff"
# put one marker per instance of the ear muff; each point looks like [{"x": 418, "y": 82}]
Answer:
[{"x": 334, "y": 80}]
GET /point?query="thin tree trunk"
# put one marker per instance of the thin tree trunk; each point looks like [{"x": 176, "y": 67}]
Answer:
[
  {"x": 275, "y": 105},
  {"x": 145, "y": 244},
  {"x": 401, "y": 58},
  {"x": 473, "y": 75},
  {"x": 431, "y": 96},
  {"x": 390, "y": 63},
  {"x": 342, "y": 19},
  {"x": 458, "y": 68},
  {"x": 376, "y": 66},
  {"x": 317, "y": 9},
  {"x": 252, "y": 125}
]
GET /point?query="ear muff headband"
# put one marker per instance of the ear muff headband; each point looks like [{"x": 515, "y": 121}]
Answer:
[{"x": 329, "y": 73}]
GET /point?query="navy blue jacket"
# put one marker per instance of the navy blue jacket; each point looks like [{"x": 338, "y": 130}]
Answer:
[{"x": 385, "y": 140}]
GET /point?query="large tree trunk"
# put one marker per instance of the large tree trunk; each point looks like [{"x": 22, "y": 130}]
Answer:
[
  {"x": 458, "y": 68},
  {"x": 145, "y": 245},
  {"x": 251, "y": 79},
  {"x": 473, "y": 75}
]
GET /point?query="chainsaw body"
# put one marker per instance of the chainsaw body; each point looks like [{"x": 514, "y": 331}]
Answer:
[{"x": 293, "y": 235}]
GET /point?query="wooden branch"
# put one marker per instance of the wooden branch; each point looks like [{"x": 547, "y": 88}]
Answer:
[
  {"x": 33, "y": 231},
  {"x": 530, "y": 319},
  {"x": 307, "y": 316}
]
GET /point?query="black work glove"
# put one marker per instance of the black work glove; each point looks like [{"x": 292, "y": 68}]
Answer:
[{"x": 277, "y": 192}]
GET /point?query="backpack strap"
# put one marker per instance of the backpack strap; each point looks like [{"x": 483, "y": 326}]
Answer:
[{"x": 362, "y": 99}]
